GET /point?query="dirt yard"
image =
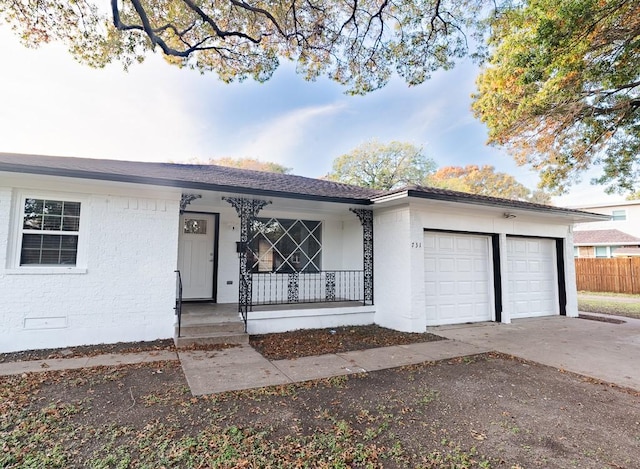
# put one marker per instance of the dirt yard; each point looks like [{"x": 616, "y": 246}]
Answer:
[{"x": 478, "y": 412}]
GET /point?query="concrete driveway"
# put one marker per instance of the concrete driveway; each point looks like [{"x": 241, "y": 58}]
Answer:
[{"x": 609, "y": 352}]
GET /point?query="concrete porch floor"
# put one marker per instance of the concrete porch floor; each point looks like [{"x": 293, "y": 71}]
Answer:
[{"x": 197, "y": 312}]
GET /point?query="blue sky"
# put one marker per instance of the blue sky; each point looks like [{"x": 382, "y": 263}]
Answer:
[{"x": 156, "y": 112}]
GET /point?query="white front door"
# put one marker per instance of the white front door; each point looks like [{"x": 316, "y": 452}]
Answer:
[
  {"x": 195, "y": 255},
  {"x": 458, "y": 278},
  {"x": 533, "y": 277}
]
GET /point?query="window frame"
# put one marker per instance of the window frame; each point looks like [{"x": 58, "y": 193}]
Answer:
[
  {"x": 18, "y": 232},
  {"x": 607, "y": 252},
  {"x": 255, "y": 261},
  {"x": 621, "y": 215}
]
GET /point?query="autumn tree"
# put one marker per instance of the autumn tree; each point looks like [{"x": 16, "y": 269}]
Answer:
[
  {"x": 382, "y": 165},
  {"x": 359, "y": 44},
  {"x": 561, "y": 89},
  {"x": 484, "y": 180},
  {"x": 251, "y": 163}
]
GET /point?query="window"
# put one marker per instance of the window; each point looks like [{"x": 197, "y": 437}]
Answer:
[
  {"x": 619, "y": 215},
  {"x": 49, "y": 232},
  {"x": 602, "y": 251},
  {"x": 282, "y": 245},
  {"x": 195, "y": 226}
]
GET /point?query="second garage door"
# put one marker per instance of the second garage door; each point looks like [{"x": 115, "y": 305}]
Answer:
[
  {"x": 458, "y": 278},
  {"x": 532, "y": 281}
]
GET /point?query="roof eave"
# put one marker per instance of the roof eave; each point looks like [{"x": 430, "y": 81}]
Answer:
[
  {"x": 63, "y": 172},
  {"x": 465, "y": 199}
]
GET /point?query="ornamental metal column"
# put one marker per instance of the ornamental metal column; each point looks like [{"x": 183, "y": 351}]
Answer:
[
  {"x": 247, "y": 210},
  {"x": 366, "y": 219}
]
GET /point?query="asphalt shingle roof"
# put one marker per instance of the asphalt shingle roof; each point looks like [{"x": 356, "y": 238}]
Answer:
[
  {"x": 464, "y": 197},
  {"x": 186, "y": 175},
  {"x": 225, "y": 179},
  {"x": 603, "y": 236}
]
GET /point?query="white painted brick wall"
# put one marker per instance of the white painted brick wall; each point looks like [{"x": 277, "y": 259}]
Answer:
[
  {"x": 392, "y": 269},
  {"x": 126, "y": 294}
]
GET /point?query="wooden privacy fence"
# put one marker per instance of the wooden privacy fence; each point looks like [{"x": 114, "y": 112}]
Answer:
[{"x": 620, "y": 275}]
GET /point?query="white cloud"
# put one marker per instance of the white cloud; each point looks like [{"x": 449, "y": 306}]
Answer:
[
  {"x": 278, "y": 139},
  {"x": 52, "y": 105}
]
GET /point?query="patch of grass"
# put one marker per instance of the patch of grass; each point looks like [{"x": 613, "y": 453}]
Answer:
[
  {"x": 617, "y": 308},
  {"x": 611, "y": 294},
  {"x": 455, "y": 457},
  {"x": 133, "y": 417}
]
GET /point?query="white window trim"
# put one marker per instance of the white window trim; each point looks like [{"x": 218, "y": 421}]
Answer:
[
  {"x": 15, "y": 244},
  {"x": 624, "y": 213}
]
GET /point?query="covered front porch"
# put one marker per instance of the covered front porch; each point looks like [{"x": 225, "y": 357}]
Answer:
[
  {"x": 277, "y": 265},
  {"x": 212, "y": 323}
]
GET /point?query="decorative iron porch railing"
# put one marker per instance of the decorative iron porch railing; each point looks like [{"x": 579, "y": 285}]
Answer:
[
  {"x": 274, "y": 288},
  {"x": 178, "y": 306}
]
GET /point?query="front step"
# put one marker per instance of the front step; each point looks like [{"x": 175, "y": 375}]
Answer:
[
  {"x": 212, "y": 339},
  {"x": 210, "y": 330}
]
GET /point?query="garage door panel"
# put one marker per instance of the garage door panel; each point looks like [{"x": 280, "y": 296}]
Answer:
[
  {"x": 463, "y": 244},
  {"x": 430, "y": 288},
  {"x": 430, "y": 265},
  {"x": 464, "y": 265},
  {"x": 481, "y": 288},
  {"x": 447, "y": 288},
  {"x": 463, "y": 288},
  {"x": 447, "y": 265},
  {"x": 445, "y": 244},
  {"x": 462, "y": 274},
  {"x": 532, "y": 274}
]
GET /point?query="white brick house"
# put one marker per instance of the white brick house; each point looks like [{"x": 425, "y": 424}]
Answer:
[{"x": 88, "y": 251}]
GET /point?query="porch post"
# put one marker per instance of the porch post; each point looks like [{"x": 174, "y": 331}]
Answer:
[
  {"x": 247, "y": 210},
  {"x": 366, "y": 219}
]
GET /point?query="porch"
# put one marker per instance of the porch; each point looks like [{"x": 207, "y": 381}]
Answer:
[
  {"x": 300, "y": 264},
  {"x": 218, "y": 323}
]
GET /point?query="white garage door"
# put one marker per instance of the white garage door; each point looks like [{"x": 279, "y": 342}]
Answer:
[
  {"x": 458, "y": 278},
  {"x": 532, "y": 277}
]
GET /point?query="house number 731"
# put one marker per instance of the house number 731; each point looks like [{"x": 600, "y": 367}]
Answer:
[{"x": 416, "y": 244}]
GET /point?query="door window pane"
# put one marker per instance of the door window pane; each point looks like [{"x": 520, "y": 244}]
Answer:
[{"x": 195, "y": 226}]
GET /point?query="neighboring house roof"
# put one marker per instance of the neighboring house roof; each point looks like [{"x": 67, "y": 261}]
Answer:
[
  {"x": 221, "y": 178},
  {"x": 593, "y": 237},
  {"x": 623, "y": 252}
]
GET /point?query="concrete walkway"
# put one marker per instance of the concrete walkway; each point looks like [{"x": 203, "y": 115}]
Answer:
[
  {"x": 243, "y": 368},
  {"x": 112, "y": 359},
  {"x": 608, "y": 352}
]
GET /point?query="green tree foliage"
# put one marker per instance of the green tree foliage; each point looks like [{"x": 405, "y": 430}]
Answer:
[
  {"x": 251, "y": 163},
  {"x": 484, "y": 180},
  {"x": 359, "y": 44},
  {"x": 382, "y": 165},
  {"x": 561, "y": 89}
]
